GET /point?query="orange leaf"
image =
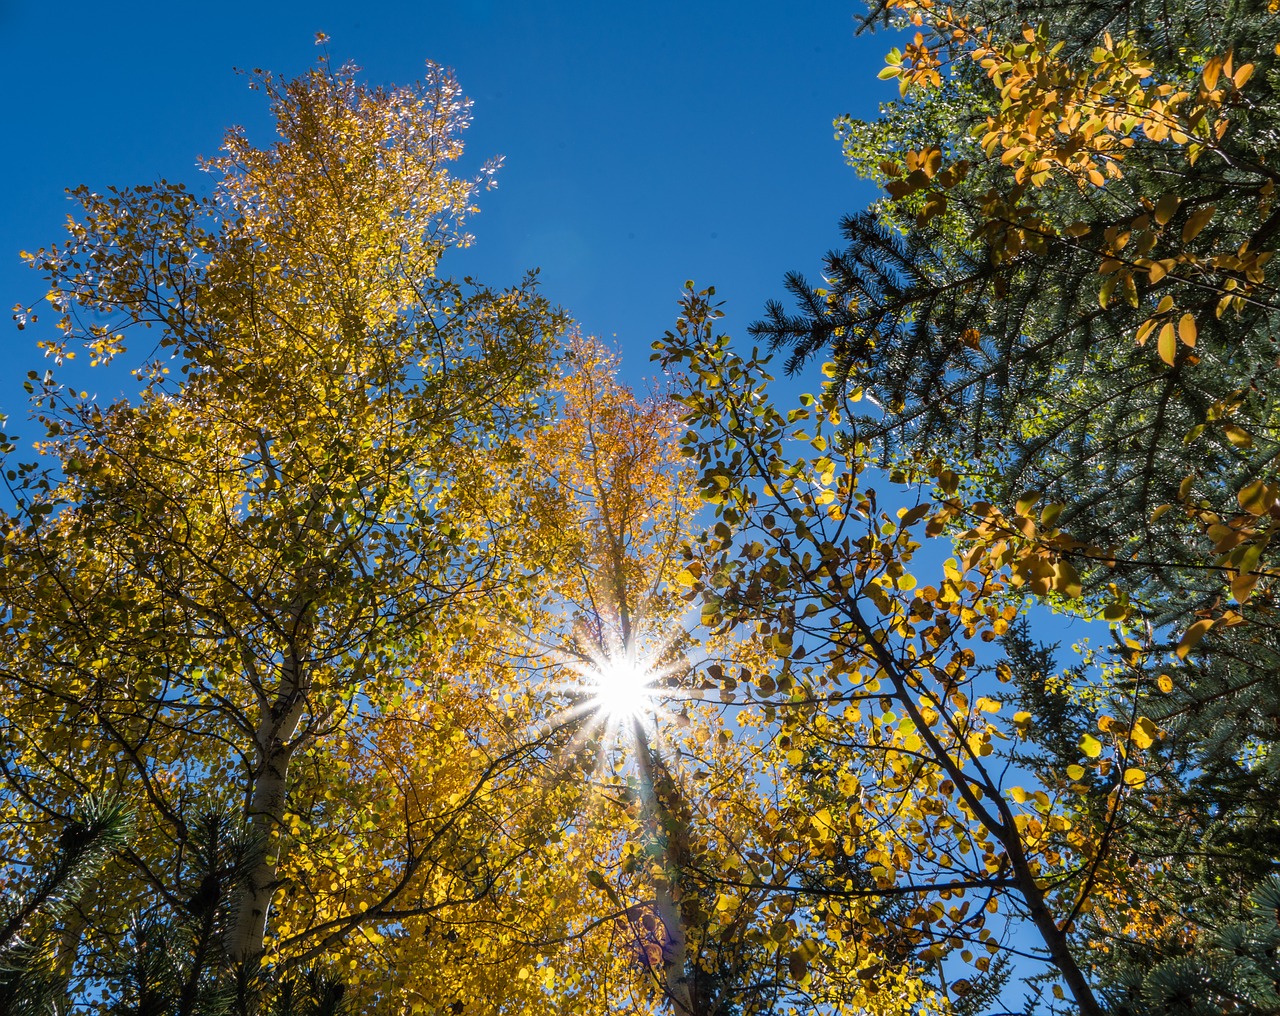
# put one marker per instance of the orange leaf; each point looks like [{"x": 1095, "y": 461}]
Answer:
[{"x": 1211, "y": 71}]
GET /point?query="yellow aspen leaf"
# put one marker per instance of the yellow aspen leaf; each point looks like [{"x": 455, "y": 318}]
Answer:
[
  {"x": 1075, "y": 771},
  {"x": 1256, "y": 498},
  {"x": 1211, "y": 71},
  {"x": 1091, "y": 746},
  {"x": 1238, "y": 436},
  {"x": 1191, "y": 638},
  {"x": 1243, "y": 585},
  {"x": 1187, "y": 330},
  {"x": 1115, "y": 612},
  {"x": 1196, "y": 222},
  {"x": 1165, "y": 208},
  {"x": 1104, "y": 291},
  {"x": 1165, "y": 683},
  {"x": 1130, "y": 289},
  {"x": 1134, "y": 777},
  {"x": 1067, "y": 580},
  {"x": 913, "y": 515},
  {"x": 1027, "y": 502},
  {"x": 1144, "y": 733}
]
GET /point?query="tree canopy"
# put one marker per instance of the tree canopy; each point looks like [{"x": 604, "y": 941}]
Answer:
[{"x": 383, "y": 651}]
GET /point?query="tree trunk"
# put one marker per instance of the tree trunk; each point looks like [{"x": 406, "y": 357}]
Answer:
[
  {"x": 265, "y": 815},
  {"x": 674, "y": 945}
]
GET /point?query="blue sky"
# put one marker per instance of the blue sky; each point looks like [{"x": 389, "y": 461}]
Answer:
[{"x": 644, "y": 144}]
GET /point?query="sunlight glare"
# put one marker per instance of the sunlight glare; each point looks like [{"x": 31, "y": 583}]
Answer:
[{"x": 623, "y": 689}]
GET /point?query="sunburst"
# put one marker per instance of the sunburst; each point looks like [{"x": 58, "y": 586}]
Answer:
[{"x": 619, "y": 688}]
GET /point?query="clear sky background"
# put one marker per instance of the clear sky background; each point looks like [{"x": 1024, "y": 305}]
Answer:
[{"x": 645, "y": 144}]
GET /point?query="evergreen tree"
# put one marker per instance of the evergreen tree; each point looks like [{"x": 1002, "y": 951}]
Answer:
[
  {"x": 967, "y": 304},
  {"x": 32, "y": 964},
  {"x": 1069, "y": 296}
]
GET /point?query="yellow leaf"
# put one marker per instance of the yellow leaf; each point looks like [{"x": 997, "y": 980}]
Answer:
[
  {"x": 1238, "y": 436},
  {"x": 1165, "y": 683},
  {"x": 1075, "y": 772},
  {"x": 1091, "y": 746},
  {"x": 1192, "y": 637},
  {"x": 1134, "y": 777},
  {"x": 1196, "y": 222},
  {"x": 1067, "y": 580},
  {"x": 1187, "y": 330},
  {"x": 1255, "y": 498},
  {"x": 1143, "y": 733},
  {"x": 1243, "y": 585},
  {"x": 1165, "y": 207},
  {"x": 1115, "y": 612},
  {"x": 1167, "y": 345}
]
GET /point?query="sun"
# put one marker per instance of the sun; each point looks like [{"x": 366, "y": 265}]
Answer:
[{"x": 622, "y": 689}]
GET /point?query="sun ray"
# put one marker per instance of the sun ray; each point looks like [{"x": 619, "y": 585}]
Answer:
[{"x": 619, "y": 690}]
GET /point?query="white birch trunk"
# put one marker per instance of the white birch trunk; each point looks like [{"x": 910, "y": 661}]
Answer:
[{"x": 274, "y": 736}]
